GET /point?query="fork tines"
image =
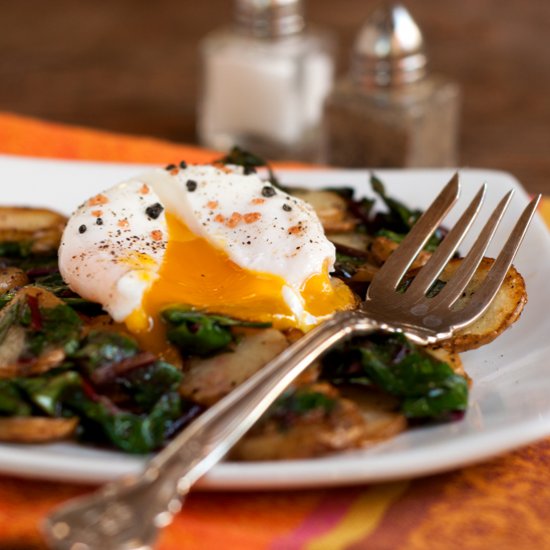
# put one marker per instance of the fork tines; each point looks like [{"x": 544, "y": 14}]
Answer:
[{"x": 400, "y": 261}]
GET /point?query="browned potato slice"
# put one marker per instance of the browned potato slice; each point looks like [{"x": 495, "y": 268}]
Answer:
[
  {"x": 360, "y": 269},
  {"x": 379, "y": 411},
  {"x": 38, "y": 226},
  {"x": 359, "y": 241},
  {"x": 21, "y": 429},
  {"x": 315, "y": 433},
  {"x": 503, "y": 312},
  {"x": 12, "y": 341},
  {"x": 382, "y": 247},
  {"x": 365, "y": 273},
  {"x": 11, "y": 348},
  {"x": 12, "y": 277},
  {"x": 331, "y": 208},
  {"x": 328, "y": 205},
  {"x": 208, "y": 380},
  {"x": 345, "y": 225}
]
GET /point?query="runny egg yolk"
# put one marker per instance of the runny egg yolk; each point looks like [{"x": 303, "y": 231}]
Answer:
[{"x": 196, "y": 273}]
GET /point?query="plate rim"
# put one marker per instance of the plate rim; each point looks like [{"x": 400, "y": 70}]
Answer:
[{"x": 286, "y": 474}]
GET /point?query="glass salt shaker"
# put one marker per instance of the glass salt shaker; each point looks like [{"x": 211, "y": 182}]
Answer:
[
  {"x": 389, "y": 111},
  {"x": 265, "y": 81}
]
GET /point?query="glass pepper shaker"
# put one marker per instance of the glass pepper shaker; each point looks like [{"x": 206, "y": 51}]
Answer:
[
  {"x": 265, "y": 81},
  {"x": 389, "y": 111}
]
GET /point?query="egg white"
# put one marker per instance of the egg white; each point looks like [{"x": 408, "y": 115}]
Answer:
[
  {"x": 115, "y": 261},
  {"x": 260, "y": 228}
]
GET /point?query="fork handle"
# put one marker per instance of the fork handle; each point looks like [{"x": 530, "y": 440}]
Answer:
[
  {"x": 213, "y": 434},
  {"x": 148, "y": 501}
]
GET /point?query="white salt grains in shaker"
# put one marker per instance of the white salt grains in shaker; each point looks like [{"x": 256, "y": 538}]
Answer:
[{"x": 264, "y": 82}]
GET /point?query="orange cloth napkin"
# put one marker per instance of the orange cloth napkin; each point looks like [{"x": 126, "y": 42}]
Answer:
[{"x": 501, "y": 504}]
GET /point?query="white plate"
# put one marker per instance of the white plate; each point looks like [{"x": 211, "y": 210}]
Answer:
[{"x": 510, "y": 398}]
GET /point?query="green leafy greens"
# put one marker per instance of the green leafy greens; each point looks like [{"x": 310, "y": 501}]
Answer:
[
  {"x": 427, "y": 388},
  {"x": 399, "y": 219},
  {"x": 136, "y": 410},
  {"x": 249, "y": 162},
  {"x": 198, "y": 333}
]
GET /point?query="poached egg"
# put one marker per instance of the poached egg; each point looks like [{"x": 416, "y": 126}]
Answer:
[{"x": 209, "y": 237}]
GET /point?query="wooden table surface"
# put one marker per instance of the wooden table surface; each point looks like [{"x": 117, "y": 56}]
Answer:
[{"x": 131, "y": 66}]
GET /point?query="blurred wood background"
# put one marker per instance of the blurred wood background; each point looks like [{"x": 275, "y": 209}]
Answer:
[{"x": 131, "y": 66}]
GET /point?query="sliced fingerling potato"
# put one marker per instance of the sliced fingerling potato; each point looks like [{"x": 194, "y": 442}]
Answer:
[
  {"x": 504, "y": 310},
  {"x": 305, "y": 433},
  {"x": 22, "y": 429},
  {"x": 13, "y": 337},
  {"x": 382, "y": 247},
  {"x": 209, "y": 379},
  {"x": 39, "y": 227},
  {"x": 12, "y": 278},
  {"x": 330, "y": 207},
  {"x": 359, "y": 241}
]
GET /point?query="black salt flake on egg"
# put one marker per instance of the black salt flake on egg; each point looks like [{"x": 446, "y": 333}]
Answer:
[
  {"x": 154, "y": 211},
  {"x": 268, "y": 191}
]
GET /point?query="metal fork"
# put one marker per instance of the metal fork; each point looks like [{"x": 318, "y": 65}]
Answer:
[{"x": 128, "y": 513}]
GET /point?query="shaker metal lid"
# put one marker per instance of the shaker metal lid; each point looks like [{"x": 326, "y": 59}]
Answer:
[
  {"x": 269, "y": 18},
  {"x": 389, "y": 49}
]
